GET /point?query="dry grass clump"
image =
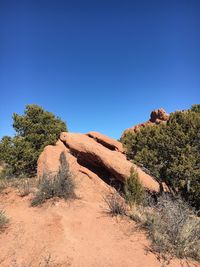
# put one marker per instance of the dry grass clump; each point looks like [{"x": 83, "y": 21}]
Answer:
[
  {"x": 24, "y": 187},
  {"x": 115, "y": 203},
  {"x": 3, "y": 184},
  {"x": 60, "y": 185},
  {"x": 46, "y": 261},
  {"x": 3, "y": 177},
  {"x": 173, "y": 227},
  {"x": 3, "y": 219}
]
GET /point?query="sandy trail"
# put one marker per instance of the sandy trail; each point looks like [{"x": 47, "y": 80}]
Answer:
[{"x": 78, "y": 233}]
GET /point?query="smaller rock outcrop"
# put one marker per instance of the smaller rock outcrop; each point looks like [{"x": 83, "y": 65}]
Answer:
[
  {"x": 159, "y": 115},
  {"x": 156, "y": 117}
]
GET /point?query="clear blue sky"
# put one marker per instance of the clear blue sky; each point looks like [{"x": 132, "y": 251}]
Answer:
[{"x": 99, "y": 65}]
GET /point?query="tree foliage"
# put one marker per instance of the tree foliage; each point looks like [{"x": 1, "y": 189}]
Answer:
[
  {"x": 34, "y": 130},
  {"x": 171, "y": 152},
  {"x": 133, "y": 189}
]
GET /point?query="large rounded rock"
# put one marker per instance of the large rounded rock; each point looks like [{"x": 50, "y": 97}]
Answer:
[
  {"x": 97, "y": 157},
  {"x": 49, "y": 160},
  {"x": 93, "y": 155}
]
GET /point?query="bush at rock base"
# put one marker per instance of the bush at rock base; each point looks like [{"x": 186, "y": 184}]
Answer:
[{"x": 61, "y": 185}]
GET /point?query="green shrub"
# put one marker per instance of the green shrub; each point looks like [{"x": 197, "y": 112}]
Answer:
[
  {"x": 133, "y": 189},
  {"x": 171, "y": 152},
  {"x": 195, "y": 108},
  {"x": 34, "y": 130},
  {"x": 60, "y": 185}
]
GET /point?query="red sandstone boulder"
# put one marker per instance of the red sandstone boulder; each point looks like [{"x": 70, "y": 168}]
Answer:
[
  {"x": 159, "y": 115},
  {"x": 49, "y": 160},
  {"x": 94, "y": 155}
]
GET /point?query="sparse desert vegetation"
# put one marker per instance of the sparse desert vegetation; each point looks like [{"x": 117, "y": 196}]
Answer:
[
  {"x": 61, "y": 184},
  {"x": 24, "y": 187},
  {"x": 173, "y": 227},
  {"x": 115, "y": 203}
]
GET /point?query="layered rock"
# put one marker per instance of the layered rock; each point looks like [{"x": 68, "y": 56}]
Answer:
[
  {"x": 156, "y": 117},
  {"x": 94, "y": 155},
  {"x": 106, "y": 141}
]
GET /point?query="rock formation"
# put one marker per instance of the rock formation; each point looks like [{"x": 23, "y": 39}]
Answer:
[
  {"x": 159, "y": 115},
  {"x": 94, "y": 155},
  {"x": 156, "y": 117}
]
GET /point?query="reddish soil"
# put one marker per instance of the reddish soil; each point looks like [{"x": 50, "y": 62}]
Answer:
[{"x": 77, "y": 233}]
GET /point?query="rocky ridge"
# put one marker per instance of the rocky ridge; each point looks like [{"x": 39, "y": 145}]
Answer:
[{"x": 157, "y": 116}]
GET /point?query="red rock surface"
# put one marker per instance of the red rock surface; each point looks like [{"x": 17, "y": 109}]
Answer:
[
  {"x": 106, "y": 141},
  {"x": 86, "y": 155}
]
